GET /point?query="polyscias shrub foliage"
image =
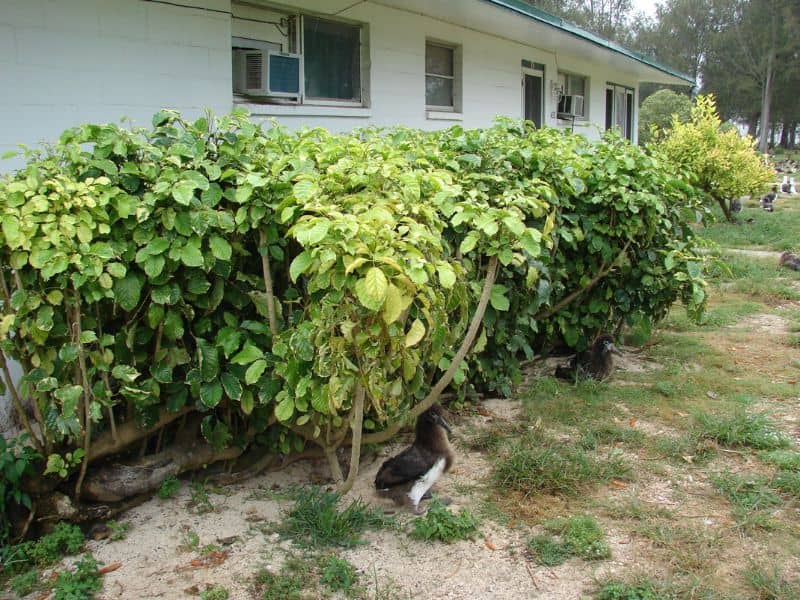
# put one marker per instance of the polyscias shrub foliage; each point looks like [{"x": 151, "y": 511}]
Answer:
[{"x": 260, "y": 277}]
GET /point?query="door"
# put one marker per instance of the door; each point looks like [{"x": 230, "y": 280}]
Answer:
[{"x": 532, "y": 82}]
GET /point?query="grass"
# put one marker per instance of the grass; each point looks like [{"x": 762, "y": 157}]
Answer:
[
  {"x": 748, "y": 492},
  {"x": 740, "y": 429},
  {"x": 441, "y": 524},
  {"x": 338, "y": 575},
  {"x": 769, "y": 231},
  {"x": 620, "y": 590},
  {"x": 315, "y": 520},
  {"x": 168, "y": 487},
  {"x": 770, "y": 585},
  {"x": 608, "y": 433},
  {"x": 578, "y": 536},
  {"x": 788, "y": 460},
  {"x": 215, "y": 592},
  {"x": 119, "y": 531},
  {"x": 288, "y": 584},
  {"x": 534, "y": 465},
  {"x": 755, "y": 277}
]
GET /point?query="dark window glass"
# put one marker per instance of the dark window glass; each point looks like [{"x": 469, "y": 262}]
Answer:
[
  {"x": 332, "y": 60},
  {"x": 439, "y": 76}
]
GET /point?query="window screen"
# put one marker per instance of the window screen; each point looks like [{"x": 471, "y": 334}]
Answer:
[
  {"x": 439, "y": 75},
  {"x": 332, "y": 60}
]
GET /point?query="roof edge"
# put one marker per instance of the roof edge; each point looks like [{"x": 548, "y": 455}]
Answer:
[{"x": 538, "y": 14}]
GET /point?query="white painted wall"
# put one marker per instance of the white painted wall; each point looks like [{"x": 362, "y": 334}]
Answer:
[{"x": 63, "y": 62}]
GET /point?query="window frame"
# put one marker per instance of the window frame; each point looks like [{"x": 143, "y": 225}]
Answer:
[
  {"x": 294, "y": 41},
  {"x": 456, "y": 78},
  {"x": 566, "y": 91}
]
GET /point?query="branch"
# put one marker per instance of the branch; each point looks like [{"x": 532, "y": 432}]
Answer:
[
  {"x": 87, "y": 394},
  {"x": 466, "y": 344},
  {"x": 593, "y": 282},
  {"x": 23, "y": 416}
]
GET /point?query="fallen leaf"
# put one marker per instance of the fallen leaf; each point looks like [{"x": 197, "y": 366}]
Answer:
[
  {"x": 109, "y": 568},
  {"x": 489, "y": 545},
  {"x": 792, "y": 381},
  {"x": 689, "y": 459},
  {"x": 619, "y": 484},
  {"x": 632, "y": 422}
]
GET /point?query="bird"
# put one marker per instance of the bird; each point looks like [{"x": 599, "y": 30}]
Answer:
[
  {"x": 736, "y": 205},
  {"x": 768, "y": 200},
  {"x": 407, "y": 477},
  {"x": 600, "y": 363},
  {"x": 787, "y": 185},
  {"x": 790, "y": 261}
]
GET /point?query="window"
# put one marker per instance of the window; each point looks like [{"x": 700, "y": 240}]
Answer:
[
  {"x": 284, "y": 58},
  {"x": 332, "y": 60},
  {"x": 574, "y": 85},
  {"x": 619, "y": 109},
  {"x": 442, "y": 91}
]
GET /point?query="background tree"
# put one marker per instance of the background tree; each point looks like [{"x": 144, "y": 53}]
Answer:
[{"x": 659, "y": 109}]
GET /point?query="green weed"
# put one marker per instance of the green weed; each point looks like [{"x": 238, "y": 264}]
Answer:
[
  {"x": 200, "y": 501},
  {"x": 579, "y": 536},
  {"x": 168, "y": 487},
  {"x": 440, "y": 523},
  {"x": 338, "y": 574},
  {"x": 315, "y": 521},
  {"x": 215, "y": 592},
  {"x": 608, "y": 433},
  {"x": 787, "y": 482},
  {"x": 81, "y": 583},
  {"x": 119, "y": 531},
  {"x": 65, "y": 539},
  {"x": 288, "y": 584},
  {"x": 27, "y": 582},
  {"x": 619, "y": 590}
]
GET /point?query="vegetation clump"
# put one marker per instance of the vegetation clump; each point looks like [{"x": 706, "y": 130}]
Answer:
[
  {"x": 442, "y": 524},
  {"x": 579, "y": 536}
]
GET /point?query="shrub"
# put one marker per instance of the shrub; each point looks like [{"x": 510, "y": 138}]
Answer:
[
  {"x": 82, "y": 582},
  {"x": 724, "y": 165},
  {"x": 440, "y": 523}
]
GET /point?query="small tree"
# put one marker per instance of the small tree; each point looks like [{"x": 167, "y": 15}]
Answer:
[
  {"x": 658, "y": 111},
  {"x": 723, "y": 164}
]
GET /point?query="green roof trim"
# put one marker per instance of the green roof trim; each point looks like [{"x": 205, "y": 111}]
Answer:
[{"x": 538, "y": 14}]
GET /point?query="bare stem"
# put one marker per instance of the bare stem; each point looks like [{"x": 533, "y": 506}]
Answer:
[
  {"x": 265, "y": 268},
  {"x": 355, "y": 449},
  {"x": 447, "y": 377},
  {"x": 87, "y": 398}
]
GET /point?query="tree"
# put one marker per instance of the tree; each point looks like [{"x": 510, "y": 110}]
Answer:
[{"x": 659, "y": 110}]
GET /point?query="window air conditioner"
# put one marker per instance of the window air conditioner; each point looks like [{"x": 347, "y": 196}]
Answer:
[
  {"x": 570, "y": 106},
  {"x": 266, "y": 73}
]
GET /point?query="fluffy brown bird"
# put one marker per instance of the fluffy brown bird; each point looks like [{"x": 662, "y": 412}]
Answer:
[
  {"x": 790, "y": 261},
  {"x": 407, "y": 477},
  {"x": 599, "y": 366}
]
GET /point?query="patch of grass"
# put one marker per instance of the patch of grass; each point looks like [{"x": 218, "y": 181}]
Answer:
[
  {"x": 754, "y": 277},
  {"x": 740, "y": 429},
  {"x": 338, "y": 574},
  {"x": 619, "y": 590},
  {"x": 119, "y": 531},
  {"x": 635, "y": 510},
  {"x": 533, "y": 465},
  {"x": 607, "y": 433},
  {"x": 440, "y": 523},
  {"x": 215, "y": 592},
  {"x": 316, "y": 521},
  {"x": 191, "y": 541},
  {"x": 288, "y": 584},
  {"x": 787, "y": 482},
  {"x": 691, "y": 549},
  {"x": 168, "y": 487},
  {"x": 579, "y": 536},
  {"x": 747, "y": 492},
  {"x": 82, "y": 582},
  {"x": 555, "y": 402},
  {"x": 722, "y": 314},
  {"x": 64, "y": 540},
  {"x": 770, "y": 585},
  {"x": 688, "y": 447},
  {"x": 27, "y": 582}
]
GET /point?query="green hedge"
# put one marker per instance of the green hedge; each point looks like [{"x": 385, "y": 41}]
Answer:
[{"x": 139, "y": 268}]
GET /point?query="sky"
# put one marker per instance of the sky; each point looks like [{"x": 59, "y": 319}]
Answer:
[{"x": 648, "y": 7}]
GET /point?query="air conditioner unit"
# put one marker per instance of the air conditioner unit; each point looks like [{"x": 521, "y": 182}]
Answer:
[
  {"x": 266, "y": 73},
  {"x": 570, "y": 106}
]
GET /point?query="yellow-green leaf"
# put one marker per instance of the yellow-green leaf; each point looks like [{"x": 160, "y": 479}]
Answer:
[
  {"x": 393, "y": 307},
  {"x": 415, "y": 334}
]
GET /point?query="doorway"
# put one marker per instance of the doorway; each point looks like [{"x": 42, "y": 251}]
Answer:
[{"x": 532, "y": 95}]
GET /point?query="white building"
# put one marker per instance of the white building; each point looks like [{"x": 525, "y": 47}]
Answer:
[{"x": 336, "y": 63}]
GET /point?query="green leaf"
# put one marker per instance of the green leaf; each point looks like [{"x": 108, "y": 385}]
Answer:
[
  {"x": 229, "y": 338},
  {"x": 173, "y": 325},
  {"x": 305, "y": 190},
  {"x": 232, "y": 386},
  {"x": 216, "y": 432},
  {"x": 255, "y": 371},
  {"x": 393, "y": 307},
  {"x": 415, "y": 333},
  {"x": 220, "y": 248},
  {"x": 209, "y": 359},
  {"x": 248, "y": 354},
  {"x": 498, "y": 298},
  {"x": 371, "y": 290},
  {"x": 247, "y": 402},
  {"x": 190, "y": 254},
  {"x": 125, "y": 373},
  {"x": 447, "y": 276},
  {"x": 211, "y": 393},
  {"x": 285, "y": 409},
  {"x": 128, "y": 291},
  {"x": 300, "y": 265},
  {"x": 183, "y": 192},
  {"x": 153, "y": 266}
]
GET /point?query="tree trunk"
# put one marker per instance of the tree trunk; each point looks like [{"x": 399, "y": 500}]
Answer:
[
  {"x": 726, "y": 209},
  {"x": 766, "y": 96}
]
